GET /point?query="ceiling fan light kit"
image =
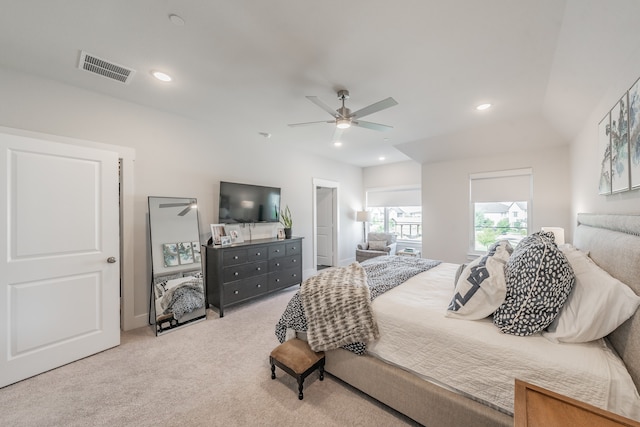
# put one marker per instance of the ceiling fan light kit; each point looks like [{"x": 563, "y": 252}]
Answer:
[
  {"x": 343, "y": 123},
  {"x": 344, "y": 118}
]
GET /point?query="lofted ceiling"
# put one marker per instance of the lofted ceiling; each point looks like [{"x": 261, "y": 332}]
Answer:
[{"x": 244, "y": 67}]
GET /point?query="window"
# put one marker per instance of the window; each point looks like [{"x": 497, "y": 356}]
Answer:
[
  {"x": 404, "y": 221},
  {"x": 491, "y": 224},
  {"x": 500, "y": 202},
  {"x": 396, "y": 210}
]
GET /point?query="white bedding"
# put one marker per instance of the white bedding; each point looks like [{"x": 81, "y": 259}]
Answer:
[{"x": 473, "y": 357}]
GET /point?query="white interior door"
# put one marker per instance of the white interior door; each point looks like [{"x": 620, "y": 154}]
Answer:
[
  {"x": 324, "y": 212},
  {"x": 59, "y": 295}
]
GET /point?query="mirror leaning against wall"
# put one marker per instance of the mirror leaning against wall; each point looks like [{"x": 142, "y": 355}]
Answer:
[{"x": 177, "y": 290}]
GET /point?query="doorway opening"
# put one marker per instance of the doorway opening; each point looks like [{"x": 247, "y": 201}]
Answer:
[{"x": 325, "y": 224}]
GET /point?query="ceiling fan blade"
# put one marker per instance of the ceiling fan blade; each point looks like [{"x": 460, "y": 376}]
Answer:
[
  {"x": 185, "y": 211},
  {"x": 324, "y": 106},
  {"x": 374, "y": 108},
  {"x": 310, "y": 123},
  {"x": 370, "y": 125},
  {"x": 173, "y": 205}
]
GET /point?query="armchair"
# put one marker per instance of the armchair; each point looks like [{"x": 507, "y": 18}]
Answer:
[{"x": 377, "y": 244}]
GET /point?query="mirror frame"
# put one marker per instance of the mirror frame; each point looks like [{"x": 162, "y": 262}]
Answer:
[{"x": 185, "y": 264}]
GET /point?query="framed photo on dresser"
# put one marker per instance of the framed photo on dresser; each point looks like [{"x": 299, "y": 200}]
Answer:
[{"x": 217, "y": 231}]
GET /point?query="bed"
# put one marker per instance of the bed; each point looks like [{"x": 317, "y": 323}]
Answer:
[
  {"x": 409, "y": 375},
  {"x": 178, "y": 299}
]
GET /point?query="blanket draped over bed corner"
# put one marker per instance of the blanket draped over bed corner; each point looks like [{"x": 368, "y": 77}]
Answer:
[
  {"x": 338, "y": 308},
  {"x": 381, "y": 274}
]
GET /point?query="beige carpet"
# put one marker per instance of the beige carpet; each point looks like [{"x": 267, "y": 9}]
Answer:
[{"x": 212, "y": 373}]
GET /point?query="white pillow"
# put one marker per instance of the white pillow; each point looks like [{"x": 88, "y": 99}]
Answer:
[
  {"x": 377, "y": 245},
  {"x": 481, "y": 287},
  {"x": 597, "y": 305}
]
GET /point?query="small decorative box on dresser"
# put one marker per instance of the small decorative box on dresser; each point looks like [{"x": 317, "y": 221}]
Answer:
[{"x": 244, "y": 271}]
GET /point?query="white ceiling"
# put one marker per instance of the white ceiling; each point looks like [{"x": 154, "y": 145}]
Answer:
[{"x": 245, "y": 66}]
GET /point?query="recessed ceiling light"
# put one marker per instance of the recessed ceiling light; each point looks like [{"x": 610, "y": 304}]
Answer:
[
  {"x": 338, "y": 144},
  {"x": 163, "y": 77},
  {"x": 176, "y": 20},
  {"x": 483, "y": 107},
  {"x": 381, "y": 158}
]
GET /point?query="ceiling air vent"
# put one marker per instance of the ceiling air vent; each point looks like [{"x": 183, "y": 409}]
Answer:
[{"x": 107, "y": 69}]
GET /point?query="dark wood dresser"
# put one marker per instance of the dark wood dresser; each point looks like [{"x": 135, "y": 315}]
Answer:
[{"x": 244, "y": 271}]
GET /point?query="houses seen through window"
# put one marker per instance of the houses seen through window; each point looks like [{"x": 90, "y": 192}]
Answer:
[
  {"x": 498, "y": 221},
  {"x": 404, "y": 221}
]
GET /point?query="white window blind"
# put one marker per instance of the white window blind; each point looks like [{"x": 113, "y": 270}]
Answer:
[
  {"x": 510, "y": 185},
  {"x": 396, "y": 197}
]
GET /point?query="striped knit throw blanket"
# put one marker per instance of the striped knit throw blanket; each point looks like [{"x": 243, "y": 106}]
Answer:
[{"x": 337, "y": 305}]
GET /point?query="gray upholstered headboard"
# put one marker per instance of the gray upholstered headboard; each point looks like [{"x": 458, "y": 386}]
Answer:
[{"x": 613, "y": 242}]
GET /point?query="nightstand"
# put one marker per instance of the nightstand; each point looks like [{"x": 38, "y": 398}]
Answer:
[
  {"x": 415, "y": 253},
  {"x": 535, "y": 406}
]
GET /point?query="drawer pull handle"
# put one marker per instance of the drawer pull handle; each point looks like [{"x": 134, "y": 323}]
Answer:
[
  {"x": 236, "y": 273},
  {"x": 277, "y": 264},
  {"x": 293, "y": 260},
  {"x": 235, "y": 257},
  {"x": 258, "y": 285},
  {"x": 236, "y": 292},
  {"x": 277, "y": 280},
  {"x": 258, "y": 269},
  {"x": 258, "y": 254},
  {"x": 277, "y": 250}
]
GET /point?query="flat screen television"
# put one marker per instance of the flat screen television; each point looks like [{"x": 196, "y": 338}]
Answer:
[{"x": 245, "y": 203}]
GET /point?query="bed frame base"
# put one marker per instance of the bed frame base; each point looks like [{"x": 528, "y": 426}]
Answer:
[{"x": 420, "y": 400}]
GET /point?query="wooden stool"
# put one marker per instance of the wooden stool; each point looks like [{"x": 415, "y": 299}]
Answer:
[{"x": 296, "y": 358}]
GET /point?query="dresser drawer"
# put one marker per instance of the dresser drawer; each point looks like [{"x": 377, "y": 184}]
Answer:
[
  {"x": 284, "y": 278},
  {"x": 294, "y": 248},
  {"x": 285, "y": 262},
  {"x": 234, "y": 256},
  {"x": 257, "y": 253},
  {"x": 243, "y": 271},
  {"x": 244, "y": 289},
  {"x": 277, "y": 251}
]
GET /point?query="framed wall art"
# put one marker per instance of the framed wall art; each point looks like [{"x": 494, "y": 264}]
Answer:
[
  {"x": 185, "y": 252},
  {"x": 604, "y": 149},
  {"x": 170, "y": 254},
  {"x": 634, "y": 134},
  {"x": 620, "y": 146}
]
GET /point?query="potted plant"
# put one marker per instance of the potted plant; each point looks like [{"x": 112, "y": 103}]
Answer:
[{"x": 286, "y": 221}]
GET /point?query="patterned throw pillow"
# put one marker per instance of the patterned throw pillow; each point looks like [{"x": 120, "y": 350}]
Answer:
[
  {"x": 377, "y": 245},
  {"x": 481, "y": 287},
  {"x": 539, "y": 280},
  {"x": 160, "y": 288}
]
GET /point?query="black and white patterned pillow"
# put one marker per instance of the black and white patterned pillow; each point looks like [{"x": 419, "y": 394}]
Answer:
[{"x": 539, "y": 280}]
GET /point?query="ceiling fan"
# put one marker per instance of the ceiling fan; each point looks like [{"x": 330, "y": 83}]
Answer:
[
  {"x": 189, "y": 205},
  {"x": 344, "y": 118}
]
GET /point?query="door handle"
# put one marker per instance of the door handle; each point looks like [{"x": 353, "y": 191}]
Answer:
[{"x": 111, "y": 259}]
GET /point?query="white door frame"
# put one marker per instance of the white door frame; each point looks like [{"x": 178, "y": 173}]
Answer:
[
  {"x": 127, "y": 155},
  {"x": 317, "y": 182}
]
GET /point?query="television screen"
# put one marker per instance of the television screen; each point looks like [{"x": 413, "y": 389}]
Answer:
[{"x": 244, "y": 203}]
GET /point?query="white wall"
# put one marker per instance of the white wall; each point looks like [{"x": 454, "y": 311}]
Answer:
[
  {"x": 445, "y": 197},
  {"x": 179, "y": 157}
]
